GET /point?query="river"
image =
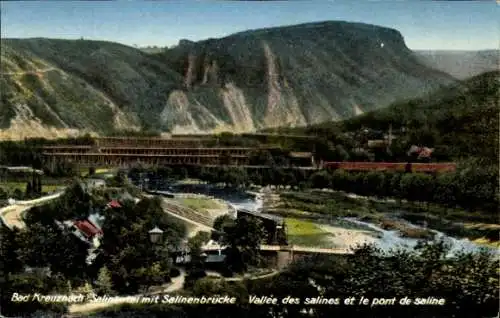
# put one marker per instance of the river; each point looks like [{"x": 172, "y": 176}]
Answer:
[{"x": 386, "y": 239}]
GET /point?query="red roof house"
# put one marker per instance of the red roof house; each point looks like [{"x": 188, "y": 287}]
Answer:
[
  {"x": 114, "y": 204},
  {"x": 87, "y": 228}
]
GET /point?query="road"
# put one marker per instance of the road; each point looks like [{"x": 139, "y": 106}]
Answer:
[
  {"x": 12, "y": 215},
  {"x": 176, "y": 284},
  {"x": 216, "y": 275},
  {"x": 296, "y": 248}
]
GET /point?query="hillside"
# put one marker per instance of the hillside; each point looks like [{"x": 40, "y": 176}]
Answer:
[
  {"x": 78, "y": 85},
  {"x": 293, "y": 75},
  {"x": 299, "y": 74},
  {"x": 460, "y": 121},
  {"x": 461, "y": 64}
]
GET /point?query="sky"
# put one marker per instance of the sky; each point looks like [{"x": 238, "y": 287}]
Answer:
[{"x": 432, "y": 25}]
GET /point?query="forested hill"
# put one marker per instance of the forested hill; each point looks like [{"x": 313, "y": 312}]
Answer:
[
  {"x": 294, "y": 75},
  {"x": 460, "y": 121}
]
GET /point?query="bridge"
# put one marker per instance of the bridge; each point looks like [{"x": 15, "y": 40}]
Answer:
[
  {"x": 292, "y": 248},
  {"x": 283, "y": 255}
]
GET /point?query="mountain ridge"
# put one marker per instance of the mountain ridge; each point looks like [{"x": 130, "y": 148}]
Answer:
[
  {"x": 242, "y": 82},
  {"x": 461, "y": 121},
  {"x": 461, "y": 64}
]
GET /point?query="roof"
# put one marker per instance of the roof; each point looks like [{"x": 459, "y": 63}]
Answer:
[
  {"x": 87, "y": 228},
  {"x": 215, "y": 258},
  {"x": 262, "y": 215},
  {"x": 114, "y": 204}
]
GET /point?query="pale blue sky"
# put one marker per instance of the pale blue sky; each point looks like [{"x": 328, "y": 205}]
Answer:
[{"x": 455, "y": 25}]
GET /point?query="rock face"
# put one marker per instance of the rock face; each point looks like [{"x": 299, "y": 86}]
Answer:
[{"x": 286, "y": 76}]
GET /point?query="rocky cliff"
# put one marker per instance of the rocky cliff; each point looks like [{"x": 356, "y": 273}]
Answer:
[{"x": 294, "y": 75}]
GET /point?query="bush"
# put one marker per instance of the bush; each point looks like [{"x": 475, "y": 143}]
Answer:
[{"x": 174, "y": 272}]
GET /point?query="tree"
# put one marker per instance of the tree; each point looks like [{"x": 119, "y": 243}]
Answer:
[
  {"x": 220, "y": 223},
  {"x": 37, "y": 188},
  {"x": 152, "y": 275},
  {"x": 10, "y": 249},
  {"x": 341, "y": 154},
  {"x": 103, "y": 284},
  {"x": 375, "y": 183},
  {"x": 428, "y": 269},
  {"x": 3, "y": 194},
  {"x": 243, "y": 240},
  {"x": 320, "y": 180},
  {"x": 29, "y": 190},
  {"x": 126, "y": 245},
  {"x": 28, "y": 283},
  {"x": 18, "y": 194},
  {"x": 196, "y": 242}
]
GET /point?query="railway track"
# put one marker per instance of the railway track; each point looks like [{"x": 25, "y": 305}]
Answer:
[{"x": 187, "y": 213}]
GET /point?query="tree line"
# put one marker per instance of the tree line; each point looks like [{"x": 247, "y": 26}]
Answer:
[
  {"x": 471, "y": 188},
  {"x": 466, "y": 282}
]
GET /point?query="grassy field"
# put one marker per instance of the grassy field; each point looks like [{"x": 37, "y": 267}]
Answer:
[
  {"x": 306, "y": 233},
  {"x": 200, "y": 203}
]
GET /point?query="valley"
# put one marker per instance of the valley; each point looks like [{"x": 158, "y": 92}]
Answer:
[{"x": 293, "y": 159}]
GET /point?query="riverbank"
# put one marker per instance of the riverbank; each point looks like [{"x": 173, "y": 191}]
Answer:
[
  {"x": 405, "y": 220},
  {"x": 333, "y": 214}
]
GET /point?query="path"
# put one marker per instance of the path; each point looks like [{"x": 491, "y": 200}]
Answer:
[
  {"x": 12, "y": 215},
  {"x": 176, "y": 284},
  {"x": 216, "y": 275}
]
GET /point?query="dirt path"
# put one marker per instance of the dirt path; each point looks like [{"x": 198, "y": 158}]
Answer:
[
  {"x": 216, "y": 275},
  {"x": 12, "y": 215},
  {"x": 176, "y": 284}
]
